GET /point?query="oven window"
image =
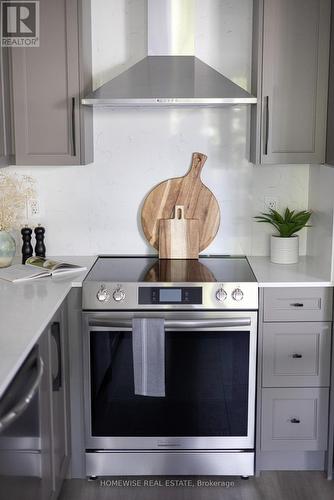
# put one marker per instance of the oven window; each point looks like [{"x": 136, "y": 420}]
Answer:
[{"x": 206, "y": 386}]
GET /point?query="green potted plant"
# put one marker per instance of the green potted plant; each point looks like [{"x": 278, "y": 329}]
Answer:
[{"x": 284, "y": 246}]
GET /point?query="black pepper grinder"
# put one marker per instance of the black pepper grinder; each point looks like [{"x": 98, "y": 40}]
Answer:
[
  {"x": 27, "y": 246},
  {"x": 40, "y": 246}
]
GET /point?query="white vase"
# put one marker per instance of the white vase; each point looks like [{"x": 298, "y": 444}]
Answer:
[
  {"x": 7, "y": 248},
  {"x": 284, "y": 250}
]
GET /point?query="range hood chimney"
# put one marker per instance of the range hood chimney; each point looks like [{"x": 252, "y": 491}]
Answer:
[{"x": 170, "y": 75}]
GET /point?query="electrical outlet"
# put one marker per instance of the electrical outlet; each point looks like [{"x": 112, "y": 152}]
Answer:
[
  {"x": 270, "y": 202},
  {"x": 33, "y": 208}
]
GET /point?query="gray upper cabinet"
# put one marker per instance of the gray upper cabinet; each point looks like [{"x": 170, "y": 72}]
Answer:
[
  {"x": 290, "y": 78},
  {"x": 5, "y": 119},
  {"x": 50, "y": 125},
  {"x": 330, "y": 116}
]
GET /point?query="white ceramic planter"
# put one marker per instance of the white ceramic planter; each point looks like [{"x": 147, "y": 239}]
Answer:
[
  {"x": 7, "y": 249},
  {"x": 284, "y": 250}
]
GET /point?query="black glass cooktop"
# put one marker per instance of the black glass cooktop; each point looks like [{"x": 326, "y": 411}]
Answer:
[{"x": 133, "y": 269}]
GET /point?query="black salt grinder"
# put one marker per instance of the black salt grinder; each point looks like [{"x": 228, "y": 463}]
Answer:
[
  {"x": 40, "y": 246},
  {"x": 26, "y": 247}
]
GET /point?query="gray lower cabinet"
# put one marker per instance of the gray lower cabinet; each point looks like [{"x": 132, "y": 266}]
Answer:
[
  {"x": 5, "y": 116},
  {"x": 296, "y": 354},
  {"x": 294, "y": 419},
  {"x": 290, "y": 79},
  {"x": 297, "y": 304},
  {"x": 46, "y": 419},
  {"x": 50, "y": 125},
  {"x": 55, "y": 405},
  {"x": 294, "y": 349}
]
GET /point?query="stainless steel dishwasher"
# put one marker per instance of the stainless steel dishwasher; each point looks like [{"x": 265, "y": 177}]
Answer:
[{"x": 20, "y": 433}]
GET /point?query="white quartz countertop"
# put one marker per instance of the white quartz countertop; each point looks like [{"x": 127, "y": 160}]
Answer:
[
  {"x": 308, "y": 272},
  {"x": 25, "y": 310}
]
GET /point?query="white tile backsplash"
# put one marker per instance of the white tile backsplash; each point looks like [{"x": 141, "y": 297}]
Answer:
[
  {"x": 321, "y": 202},
  {"x": 119, "y": 37},
  {"x": 96, "y": 208}
]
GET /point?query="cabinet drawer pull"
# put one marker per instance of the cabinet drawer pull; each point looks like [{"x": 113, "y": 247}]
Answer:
[
  {"x": 295, "y": 420},
  {"x": 297, "y": 356},
  {"x": 297, "y": 304}
]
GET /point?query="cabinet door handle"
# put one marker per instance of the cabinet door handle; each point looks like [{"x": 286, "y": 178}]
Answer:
[
  {"x": 57, "y": 380},
  {"x": 73, "y": 138},
  {"x": 297, "y": 304},
  {"x": 266, "y": 125},
  {"x": 3, "y": 107},
  {"x": 297, "y": 356},
  {"x": 295, "y": 420}
]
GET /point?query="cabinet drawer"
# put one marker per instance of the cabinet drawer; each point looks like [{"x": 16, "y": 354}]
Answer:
[
  {"x": 294, "y": 419},
  {"x": 296, "y": 354},
  {"x": 298, "y": 304}
]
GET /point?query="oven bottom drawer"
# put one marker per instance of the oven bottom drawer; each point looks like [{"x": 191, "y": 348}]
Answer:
[{"x": 181, "y": 463}]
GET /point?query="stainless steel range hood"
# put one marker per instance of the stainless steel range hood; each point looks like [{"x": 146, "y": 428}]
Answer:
[
  {"x": 169, "y": 81},
  {"x": 167, "y": 77}
]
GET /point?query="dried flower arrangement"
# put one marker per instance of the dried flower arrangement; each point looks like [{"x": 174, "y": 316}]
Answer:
[{"x": 15, "y": 191}]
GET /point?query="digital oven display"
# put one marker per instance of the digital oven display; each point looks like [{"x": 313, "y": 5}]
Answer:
[{"x": 170, "y": 295}]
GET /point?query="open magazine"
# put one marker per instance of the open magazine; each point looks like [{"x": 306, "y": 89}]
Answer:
[{"x": 37, "y": 267}]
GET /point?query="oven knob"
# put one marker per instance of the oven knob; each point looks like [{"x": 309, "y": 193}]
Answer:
[
  {"x": 221, "y": 294},
  {"x": 118, "y": 295},
  {"x": 237, "y": 294},
  {"x": 103, "y": 294}
]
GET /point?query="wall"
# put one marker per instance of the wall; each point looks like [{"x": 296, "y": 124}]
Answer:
[
  {"x": 96, "y": 208},
  {"x": 321, "y": 201}
]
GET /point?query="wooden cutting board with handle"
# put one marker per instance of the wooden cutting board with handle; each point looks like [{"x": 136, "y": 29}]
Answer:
[
  {"x": 178, "y": 237},
  {"x": 190, "y": 192}
]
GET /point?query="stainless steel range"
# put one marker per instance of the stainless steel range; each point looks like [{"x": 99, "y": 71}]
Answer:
[{"x": 205, "y": 423}]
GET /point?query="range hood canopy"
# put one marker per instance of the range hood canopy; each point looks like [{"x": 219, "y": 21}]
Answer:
[
  {"x": 169, "y": 81},
  {"x": 166, "y": 78}
]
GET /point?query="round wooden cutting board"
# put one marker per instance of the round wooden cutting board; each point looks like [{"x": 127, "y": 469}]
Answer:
[{"x": 189, "y": 191}]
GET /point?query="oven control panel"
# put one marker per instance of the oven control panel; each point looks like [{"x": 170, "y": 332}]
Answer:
[
  {"x": 132, "y": 296},
  {"x": 170, "y": 295}
]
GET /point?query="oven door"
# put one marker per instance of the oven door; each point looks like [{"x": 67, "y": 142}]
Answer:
[{"x": 210, "y": 383}]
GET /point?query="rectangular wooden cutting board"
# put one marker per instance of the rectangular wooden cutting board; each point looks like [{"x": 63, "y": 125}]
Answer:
[{"x": 178, "y": 237}]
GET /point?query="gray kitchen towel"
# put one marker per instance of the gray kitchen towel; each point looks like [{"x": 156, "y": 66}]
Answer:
[{"x": 148, "y": 347}]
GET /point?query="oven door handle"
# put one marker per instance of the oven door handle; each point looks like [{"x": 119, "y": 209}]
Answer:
[{"x": 184, "y": 323}]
